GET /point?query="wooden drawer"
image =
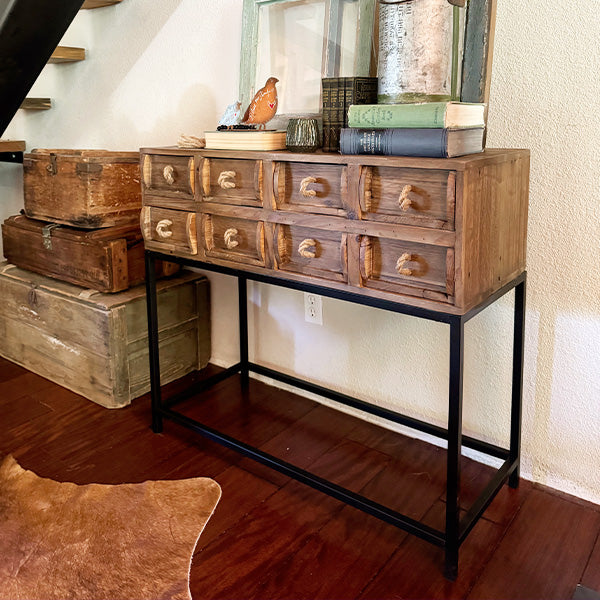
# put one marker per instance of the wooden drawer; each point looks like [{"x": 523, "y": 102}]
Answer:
[
  {"x": 169, "y": 175},
  {"x": 168, "y": 230},
  {"x": 231, "y": 238},
  {"x": 464, "y": 220},
  {"x": 314, "y": 252},
  {"x": 310, "y": 187},
  {"x": 232, "y": 181},
  {"x": 410, "y": 196},
  {"x": 393, "y": 265}
]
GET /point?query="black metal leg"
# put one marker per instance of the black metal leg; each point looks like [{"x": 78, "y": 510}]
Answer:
[
  {"x": 517, "y": 382},
  {"x": 153, "y": 353},
  {"x": 454, "y": 448},
  {"x": 243, "y": 315},
  {"x": 456, "y": 529}
]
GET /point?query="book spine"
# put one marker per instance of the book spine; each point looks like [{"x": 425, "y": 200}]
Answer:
[
  {"x": 337, "y": 112},
  {"x": 382, "y": 116},
  {"x": 359, "y": 90},
  {"x": 326, "y": 83},
  {"x": 331, "y": 127},
  {"x": 365, "y": 91},
  {"x": 349, "y": 95},
  {"x": 429, "y": 143}
]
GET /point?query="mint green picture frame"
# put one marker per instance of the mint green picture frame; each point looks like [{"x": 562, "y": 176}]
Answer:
[{"x": 365, "y": 56}]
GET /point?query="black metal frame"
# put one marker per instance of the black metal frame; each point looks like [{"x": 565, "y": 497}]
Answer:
[
  {"x": 456, "y": 529},
  {"x": 11, "y": 157},
  {"x": 30, "y": 30}
]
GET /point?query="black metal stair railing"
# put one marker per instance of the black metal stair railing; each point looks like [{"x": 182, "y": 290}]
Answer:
[{"x": 30, "y": 30}]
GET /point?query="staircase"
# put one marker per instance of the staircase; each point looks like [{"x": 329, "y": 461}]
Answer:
[{"x": 30, "y": 31}]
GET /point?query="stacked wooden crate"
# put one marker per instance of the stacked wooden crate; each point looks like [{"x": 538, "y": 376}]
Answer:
[{"x": 81, "y": 226}]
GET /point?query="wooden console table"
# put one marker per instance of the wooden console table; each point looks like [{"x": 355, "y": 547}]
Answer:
[{"x": 439, "y": 239}]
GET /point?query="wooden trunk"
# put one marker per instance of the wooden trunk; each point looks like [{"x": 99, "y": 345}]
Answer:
[
  {"x": 96, "y": 345},
  {"x": 107, "y": 260},
  {"x": 82, "y": 188}
]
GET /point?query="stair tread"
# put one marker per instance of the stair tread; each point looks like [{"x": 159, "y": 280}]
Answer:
[
  {"x": 12, "y": 145},
  {"x": 88, "y": 4},
  {"x": 36, "y": 104},
  {"x": 64, "y": 54}
]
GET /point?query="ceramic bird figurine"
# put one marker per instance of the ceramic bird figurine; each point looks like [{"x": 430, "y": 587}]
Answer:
[
  {"x": 232, "y": 115},
  {"x": 263, "y": 106}
]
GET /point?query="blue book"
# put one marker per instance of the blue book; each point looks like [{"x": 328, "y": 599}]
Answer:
[{"x": 431, "y": 143}]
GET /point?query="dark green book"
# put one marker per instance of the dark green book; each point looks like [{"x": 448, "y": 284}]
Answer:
[
  {"x": 358, "y": 90},
  {"x": 332, "y": 113},
  {"x": 339, "y": 93},
  {"x": 326, "y": 113}
]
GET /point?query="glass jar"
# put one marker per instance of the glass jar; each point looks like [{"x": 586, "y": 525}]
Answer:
[{"x": 420, "y": 50}]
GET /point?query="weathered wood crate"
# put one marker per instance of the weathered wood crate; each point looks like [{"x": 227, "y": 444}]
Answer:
[
  {"x": 108, "y": 260},
  {"x": 82, "y": 188},
  {"x": 96, "y": 344}
]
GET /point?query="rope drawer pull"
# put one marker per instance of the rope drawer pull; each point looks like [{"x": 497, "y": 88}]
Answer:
[
  {"x": 169, "y": 174},
  {"x": 225, "y": 178},
  {"x": 162, "y": 228},
  {"x": 304, "y": 187},
  {"x": 229, "y": 236},
  {"x": 304, "y": 248},
  {"x": 404, "y": 201},
  {"x": 406, "y": 257}
]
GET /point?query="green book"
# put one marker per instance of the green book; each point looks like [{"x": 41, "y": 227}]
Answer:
[{"x": 425, "y": 115}]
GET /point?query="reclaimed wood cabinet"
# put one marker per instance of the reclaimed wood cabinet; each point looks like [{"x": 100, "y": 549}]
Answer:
[
  {"x": 438, "y": 239},
  {"x": 436, "y": 233}
]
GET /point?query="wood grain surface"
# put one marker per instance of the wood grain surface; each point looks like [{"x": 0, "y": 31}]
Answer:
[
  {"x": 107, "y": 260},
  {"x": 69, "y": 334},
  {"x": 463, "y": 221},
  {"x": 271, "y": 538},
  {"x": 88, "y": 189}
]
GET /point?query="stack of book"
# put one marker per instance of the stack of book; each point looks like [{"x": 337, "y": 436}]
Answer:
[
  {"x": 432, "y": 129},
  {"x": 339, "y": 93},
  {"x": 245, "y": 139}
]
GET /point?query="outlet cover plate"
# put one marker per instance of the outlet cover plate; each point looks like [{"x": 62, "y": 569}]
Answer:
[{"x": 313, "y": 308}]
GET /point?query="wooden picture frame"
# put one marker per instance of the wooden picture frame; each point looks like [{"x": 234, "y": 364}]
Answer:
[
  {"x": 478, "y": 51},
  {"x": 364, "y": 53},
  {"x": 477, "y": 56}
]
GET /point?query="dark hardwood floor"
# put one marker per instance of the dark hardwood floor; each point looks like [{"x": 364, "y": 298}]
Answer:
[{"x": 273, "y": 538}]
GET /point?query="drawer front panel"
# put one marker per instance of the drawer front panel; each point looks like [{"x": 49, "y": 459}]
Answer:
[
  {"x": 238, "y": 240},
  {"x": 169, "y": 175},
  {"x": 169, "y": 230},
  {"x": 314, "y": 252},
  {"x": 407, "y": 267},
  {"x": 232, "y": 181},
  {"x": 410, "y": 196},
  {"x": 310, "y": 187}
]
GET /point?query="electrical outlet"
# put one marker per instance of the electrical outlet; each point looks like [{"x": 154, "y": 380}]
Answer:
[{"x": 313, "y": 308}]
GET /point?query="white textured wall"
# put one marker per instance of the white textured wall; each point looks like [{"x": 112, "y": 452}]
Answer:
[{"x": 157, "y": 68}]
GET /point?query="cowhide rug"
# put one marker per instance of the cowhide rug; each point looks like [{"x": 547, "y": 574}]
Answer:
[{"x": 100, "y": 542}]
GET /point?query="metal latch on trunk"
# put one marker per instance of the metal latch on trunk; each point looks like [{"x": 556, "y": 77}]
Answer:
[
  {"x": 47, "y": 234},
  {"x": 52, "y": 168}
]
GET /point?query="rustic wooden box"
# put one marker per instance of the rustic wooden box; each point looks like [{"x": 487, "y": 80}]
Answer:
[
  {"x": 108, "y": 260},
  {"x": 82, "y": 188},
  {"x": 96, "y": 344}
]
